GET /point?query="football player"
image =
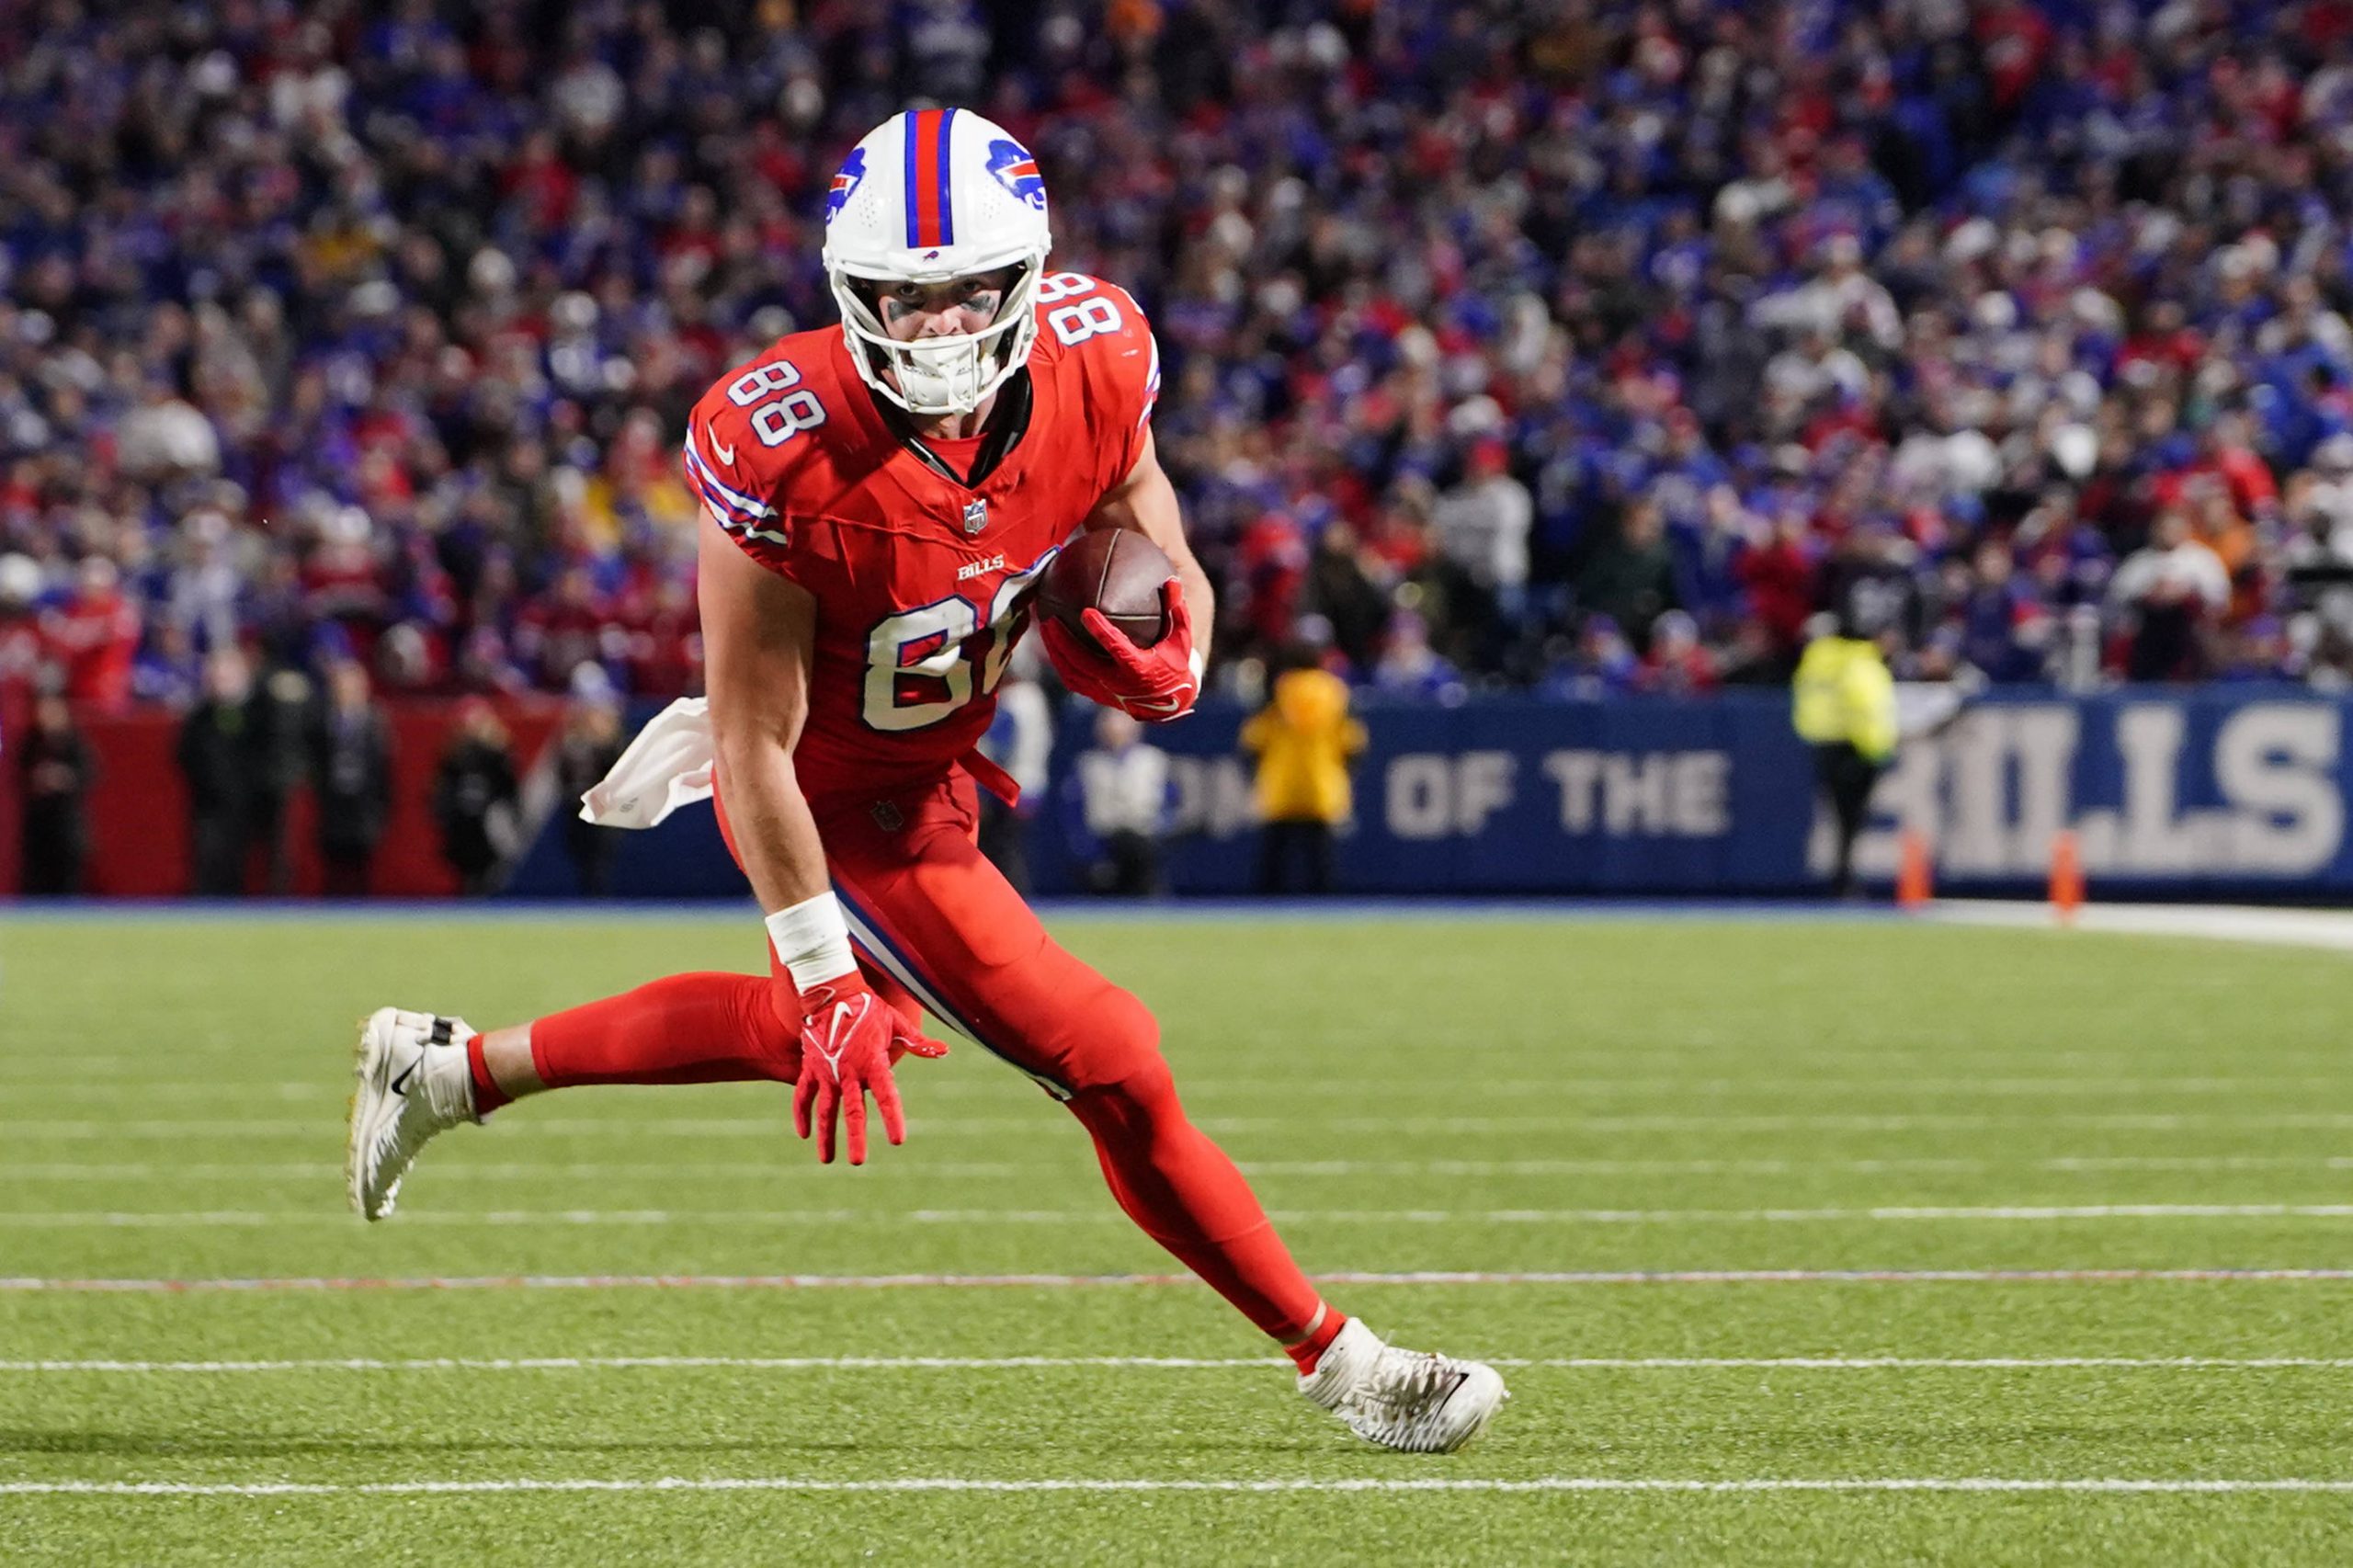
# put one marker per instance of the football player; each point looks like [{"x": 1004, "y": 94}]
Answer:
[{"x": 879, "y": 501}]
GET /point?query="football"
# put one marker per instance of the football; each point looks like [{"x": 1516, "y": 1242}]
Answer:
[{"x": 1116, "y": 571}]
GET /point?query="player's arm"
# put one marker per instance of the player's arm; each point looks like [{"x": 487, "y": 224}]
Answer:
[
  {"x": 1161, "y": 682},
  {"x": 760, "y": 632},
  {"x": 1146, "y": 502},
  {"x": 759, "y": 640}
]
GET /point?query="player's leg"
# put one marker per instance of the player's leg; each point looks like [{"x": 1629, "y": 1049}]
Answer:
[
  {"x": 687, "y": 1028},
  {"x": 683, "y": 1029},
  {"x": 924, "y": 906},
  {"x": 421, "y": 1073}
]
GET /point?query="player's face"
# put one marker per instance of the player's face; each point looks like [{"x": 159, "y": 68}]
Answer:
[{"x": 957, "y": 307}]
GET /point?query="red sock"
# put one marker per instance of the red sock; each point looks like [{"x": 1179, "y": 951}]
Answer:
[
  {"x": 689, "y": 1029},
  {"x": 1308, "y": 1351},
  {"x": 488, "y": 1095},
  {"x": 1185, "y": 1194}
]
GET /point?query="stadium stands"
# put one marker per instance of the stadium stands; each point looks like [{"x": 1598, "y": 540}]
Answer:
[{"x": 1498, "y": 334}]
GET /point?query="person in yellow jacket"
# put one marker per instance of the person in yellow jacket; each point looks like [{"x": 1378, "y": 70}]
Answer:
[
  {"x": 1844, "y": 701},
  {"x": 1303, "y": 738}
]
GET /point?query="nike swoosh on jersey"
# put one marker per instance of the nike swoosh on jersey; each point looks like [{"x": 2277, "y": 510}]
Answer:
[{"x": 727, "y": 454}]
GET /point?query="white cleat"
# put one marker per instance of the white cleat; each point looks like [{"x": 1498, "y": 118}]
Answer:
[
  {"x": 414, "y": 1082},
  {"x": 1413, "y": 1400}
]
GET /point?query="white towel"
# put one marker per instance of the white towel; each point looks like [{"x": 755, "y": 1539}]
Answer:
[{"x": 668, "y": 766}]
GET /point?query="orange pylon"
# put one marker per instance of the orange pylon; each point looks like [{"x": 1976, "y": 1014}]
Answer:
[
  {"x": 2066, "y": 875},
  {"x": 1913, "y": 879}
]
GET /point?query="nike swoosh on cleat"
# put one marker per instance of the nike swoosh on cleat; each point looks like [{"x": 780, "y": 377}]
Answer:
[{"x": 400, "y": 1085}]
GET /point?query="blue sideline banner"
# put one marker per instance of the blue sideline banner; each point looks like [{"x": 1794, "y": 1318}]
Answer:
[
  {"x": 1504, "y": 795},
  {"x": 2230, "y": 790}
]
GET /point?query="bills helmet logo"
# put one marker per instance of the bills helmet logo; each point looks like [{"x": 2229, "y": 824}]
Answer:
[
  {"x": 852, "y": 171},
  {"x": 1017, "y": 171}
]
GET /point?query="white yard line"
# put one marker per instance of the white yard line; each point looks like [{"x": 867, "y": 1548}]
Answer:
[
  {"x": 1447, "y": 1278},
  {"x": 1186, "y": 1363},
  {"x": 656, "y": 1168},
  {"x": 219, "y": 1129},
  {"x": 167, "y": 1089},
  {"x": 2233, "y": 922},
  {"x": 1964, "y": 1484},
  {"x": 1788, "y": 1079},
  {"x": 66, "y": 1220},
  {"x": 1709, "y": 1056}
]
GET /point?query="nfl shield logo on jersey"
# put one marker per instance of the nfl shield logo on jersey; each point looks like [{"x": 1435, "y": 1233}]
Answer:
[{"x": 976, "y": 515}]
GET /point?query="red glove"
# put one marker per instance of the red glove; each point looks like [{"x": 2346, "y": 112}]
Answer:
[
  {"x": 908, "y": 1041},
  {"x": 849, "y": 1036},
  {"x": 1155, "y": 684}
]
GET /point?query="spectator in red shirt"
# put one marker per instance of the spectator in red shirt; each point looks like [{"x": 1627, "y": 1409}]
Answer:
[
  {"x": 2229, "y": 450},
  {"x": 565, "y": 630},
  {"x": 665, "y": 643},
  {"x": 93, "y": 636},
  {"x": 1778, "y": 576},
  {"x": 1676, "y": 666}
]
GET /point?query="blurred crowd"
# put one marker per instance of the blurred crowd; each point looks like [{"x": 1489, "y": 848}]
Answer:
[{"x": 1573, "y": 344}]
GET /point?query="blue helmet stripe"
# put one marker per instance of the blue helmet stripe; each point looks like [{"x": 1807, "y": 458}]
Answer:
[{"x": 907, "y": 185}]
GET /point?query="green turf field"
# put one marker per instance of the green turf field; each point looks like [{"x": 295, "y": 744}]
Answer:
[{"x": 1492, "y": 1098}]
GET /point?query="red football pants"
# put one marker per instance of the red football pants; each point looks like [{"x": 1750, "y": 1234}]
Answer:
[{"x": 934, "y": 922}]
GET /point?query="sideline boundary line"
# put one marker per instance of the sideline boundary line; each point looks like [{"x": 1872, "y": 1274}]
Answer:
[{"x": 2322, "y": 929}]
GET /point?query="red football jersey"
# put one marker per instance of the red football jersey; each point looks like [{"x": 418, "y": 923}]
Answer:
[{"x": 922, "y": 580}]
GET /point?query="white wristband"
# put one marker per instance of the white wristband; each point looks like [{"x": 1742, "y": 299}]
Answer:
[
  {"x": 1194, "y": 661},
  {"x": 812, "y": 940}
]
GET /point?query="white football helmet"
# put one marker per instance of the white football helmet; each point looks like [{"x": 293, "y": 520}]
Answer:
[{"x": 932, "y": 194}]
